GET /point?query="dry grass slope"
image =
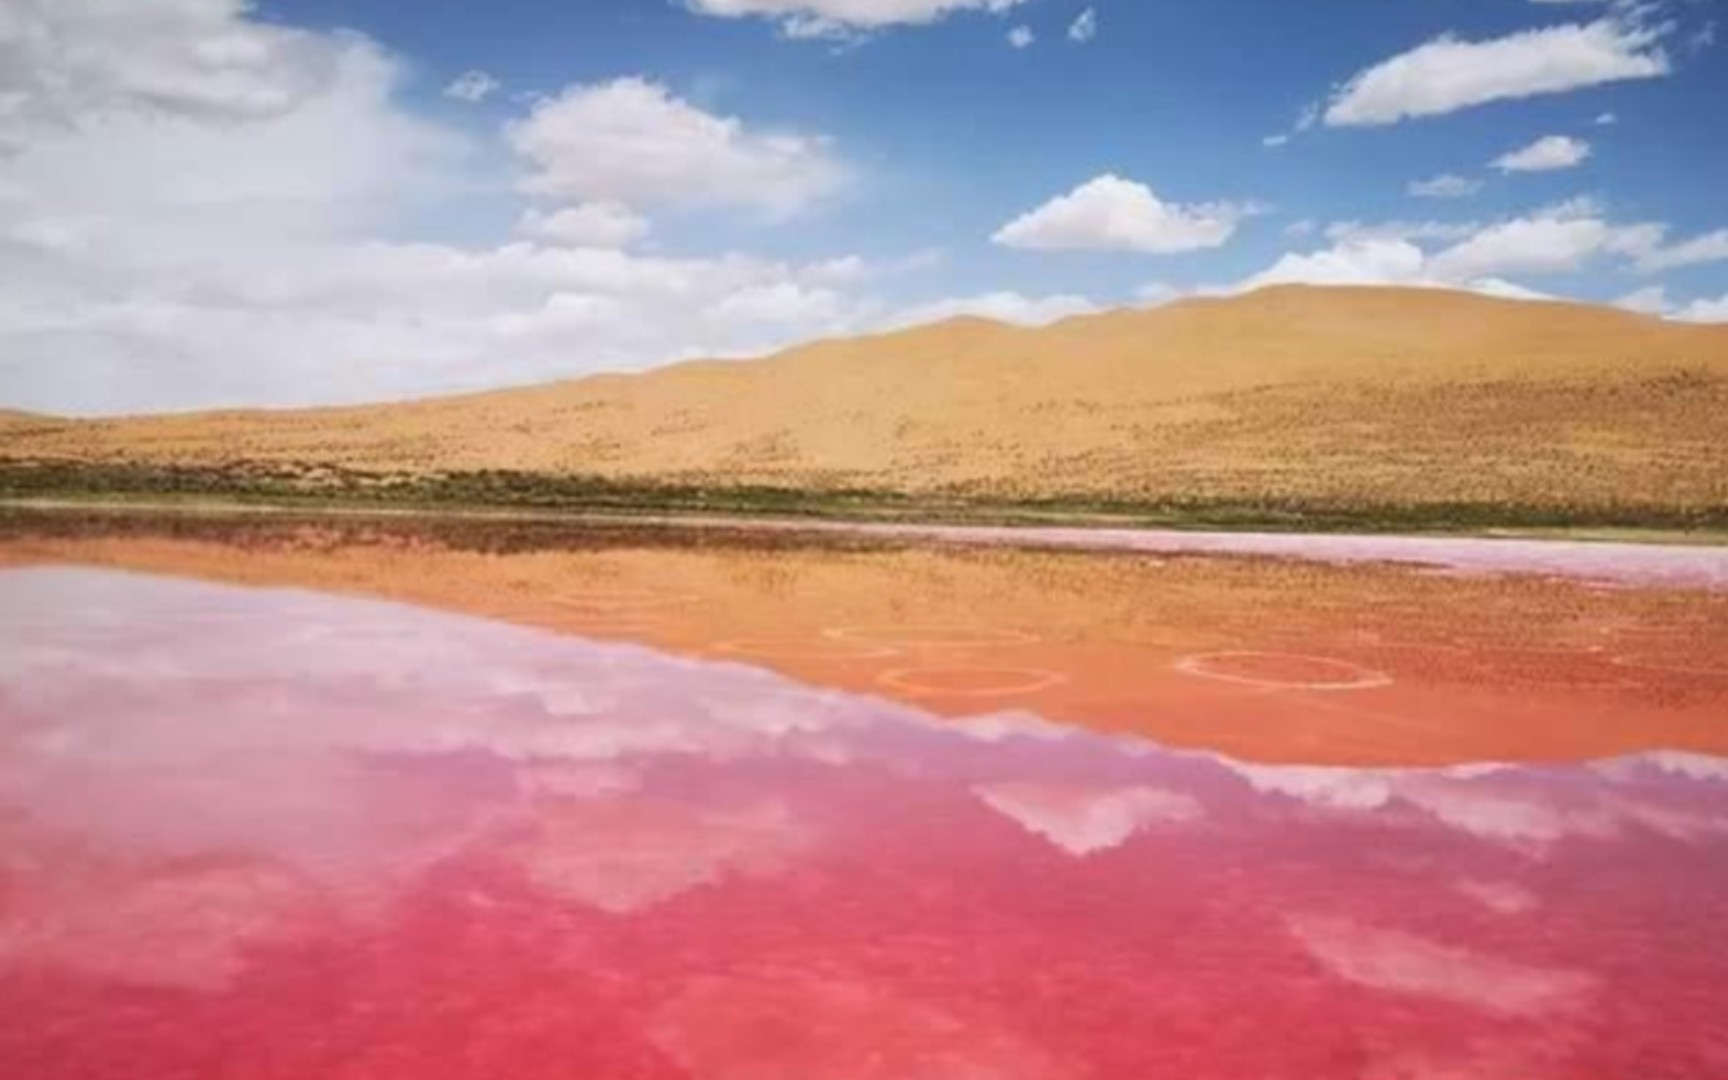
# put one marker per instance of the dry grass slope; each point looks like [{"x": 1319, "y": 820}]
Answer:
[{"x": 1338, "y": 394}]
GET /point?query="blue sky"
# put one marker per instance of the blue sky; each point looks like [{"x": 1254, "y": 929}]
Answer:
[{"x": 205, "y": 203}]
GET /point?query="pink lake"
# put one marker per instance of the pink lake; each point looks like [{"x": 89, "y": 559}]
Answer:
[{"x": 269, "y": 833}]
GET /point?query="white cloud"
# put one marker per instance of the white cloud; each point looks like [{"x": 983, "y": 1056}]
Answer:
[
  {"x": 1272, "y": 141},
  {"x": 472, "y": 86},
  {"x": 1021, "y": 36},
  {"x": 1650, "y": 300},
  {"x": 632, "y": 141},
  {"x": 66, "y": 61},
  {"x": 1654, "y": 300},
  {"x": 1349, "y": 262},
  {"x": 597, "y": 224},
  {"x": 1401, "y": 230},
  {"x": 368, "y": 321},
  {"x": 1109, "y": 213},
  {"x": 1704, "y": 311},
  {"x": 161, "y": 253},
  {"x": 1085, "y": 27},
  {"x": 1507, "y": 290},
  {"x": 845, "y": 18},
  {"x": 1008, "y": 307},
  {"x": 1448, "y": 74},
  {"x": 1707, "y": 248},
  {"x": 1553, "y": 240},
  {"x": 1543, "y": 244},
  {"x": 1547, "y": 154},
  {"x": 143, "y": 182},
  {"x": 1156, "y": 294},
  {"x": 1444, "y": 186},
  {"x": 1606, "y": 119},
  {"x": 780, "y": 303}
]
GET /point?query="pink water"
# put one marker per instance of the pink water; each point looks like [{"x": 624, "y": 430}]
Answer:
[
  {"x": 261, "y": 834},
  {"x": 1702, "y": 566}
]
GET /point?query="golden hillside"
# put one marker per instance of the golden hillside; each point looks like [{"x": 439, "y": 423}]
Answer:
[{"x": 1339, "y": 394}]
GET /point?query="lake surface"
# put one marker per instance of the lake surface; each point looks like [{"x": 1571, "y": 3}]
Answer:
[{"x": 403, "y": 800}]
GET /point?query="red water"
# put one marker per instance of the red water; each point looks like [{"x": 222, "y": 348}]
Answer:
[{"x": 260, "y": 834}]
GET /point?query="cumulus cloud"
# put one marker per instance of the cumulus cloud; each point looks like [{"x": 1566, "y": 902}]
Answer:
[
  {"x": 1704, "y": 310},
  {"x": 164, "y": 250},
  {"x": 1021, "y": 37},
  {"x": 1109, "y": 213},
  {"x": 375, "y": 321},
  {"x": 1540, "y": 245},
  {"x": 63, "y": 62},
  {"x": 1444, "y": 186},
  {"x": 632, "y": 141},
  {"x": 1365, "y": 261},
  {"x": 1557, "y": 239},
  {"x": 597, "y": 224},
  {"x": 1448, "y": 74},
  {"x": 472, "y": 86},
  {"x": 1650, "y": 300},
  {"x": 845, "y": 18},
  {"x": 1546, "y": 154},
  {"x": 1654, "y": 300},
  {"x": 1009, "y": 307},
  {"x": 1707, "y": 248}
]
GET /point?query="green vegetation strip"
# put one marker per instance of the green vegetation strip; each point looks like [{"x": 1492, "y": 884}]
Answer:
[{"x": 313, "y": 487}]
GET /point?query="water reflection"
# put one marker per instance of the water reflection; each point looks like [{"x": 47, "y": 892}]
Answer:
[
  {"x": 1270, "y": 660},
  {"x": 278, "y": 832}
]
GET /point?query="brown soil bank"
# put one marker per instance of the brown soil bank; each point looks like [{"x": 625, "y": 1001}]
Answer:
[{"x": 1337, "y": 395}]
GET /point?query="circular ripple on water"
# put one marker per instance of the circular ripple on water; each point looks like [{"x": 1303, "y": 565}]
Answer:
[
  {"x": 971, "y": 681},
  {"x": 1282, "y": 671}
]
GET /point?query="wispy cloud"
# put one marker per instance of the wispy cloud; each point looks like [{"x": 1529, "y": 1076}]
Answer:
[
  {"x": 1444, "y": 186},
  {"x": 1547, "y": 154},
  {"x": 1448, "y": 74}
]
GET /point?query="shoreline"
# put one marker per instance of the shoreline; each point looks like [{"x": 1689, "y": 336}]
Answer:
[
  {"x": 1619, "y": 557},
  {"x": 334, "y": 489}
]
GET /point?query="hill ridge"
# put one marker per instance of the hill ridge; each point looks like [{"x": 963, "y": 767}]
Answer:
[{"x": 1290, "y": 392}]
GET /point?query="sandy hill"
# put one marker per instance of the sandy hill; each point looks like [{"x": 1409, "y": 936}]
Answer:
[{"x": 1400, "y": 395}]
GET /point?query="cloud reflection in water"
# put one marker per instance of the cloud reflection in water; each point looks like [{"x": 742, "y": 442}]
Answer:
[{"x": 288, "y": 803}]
